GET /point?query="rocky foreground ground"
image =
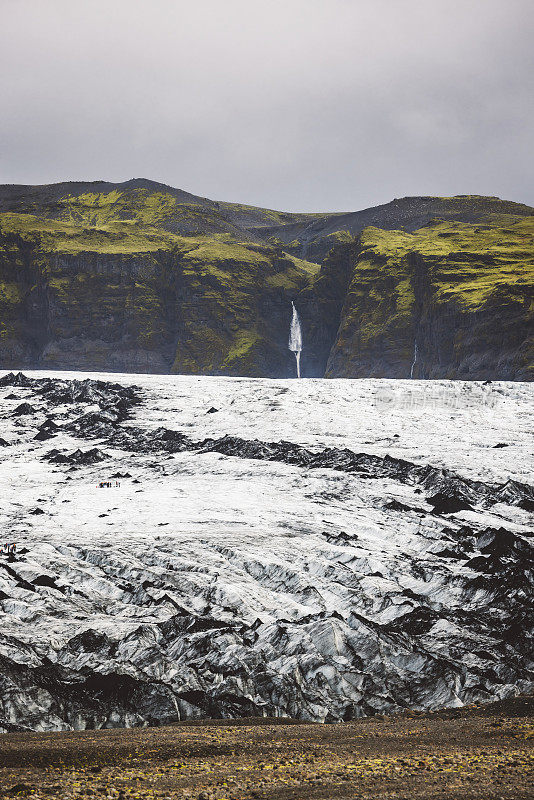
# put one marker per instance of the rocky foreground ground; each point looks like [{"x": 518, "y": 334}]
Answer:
[{"x": 476, "y": 752}]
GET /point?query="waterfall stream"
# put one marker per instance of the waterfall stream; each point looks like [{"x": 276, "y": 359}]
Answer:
[
  {"x": 414, "y": 359},
  {"x": 295, "y": 337}
]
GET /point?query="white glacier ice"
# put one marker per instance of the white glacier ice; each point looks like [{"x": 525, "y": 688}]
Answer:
[{"x": 213, "y": 584}]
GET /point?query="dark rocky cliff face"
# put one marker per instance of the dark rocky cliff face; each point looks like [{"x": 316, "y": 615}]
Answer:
[
  {"x": 142, "y": 277},
  {"x": 320, "y": 305},
  {"x": 451, "y": 301},
  {"x": 148, "y": 312}
]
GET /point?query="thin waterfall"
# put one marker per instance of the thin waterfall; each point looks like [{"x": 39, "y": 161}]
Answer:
[
  {"x": 414, "y": 359},
  {"x": 295, "y": 337}
]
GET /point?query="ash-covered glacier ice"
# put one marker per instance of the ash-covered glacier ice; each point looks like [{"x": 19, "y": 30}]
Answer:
[{"x": 226, "y": 547}]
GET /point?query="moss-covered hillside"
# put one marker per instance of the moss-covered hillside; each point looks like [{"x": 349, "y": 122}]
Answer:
[
  {"x": 461, "y": 293},
  {"x": 104, "y": 281},
  {"x": 140, "y": 202},
  {"x": 140, "y": 276},
  {"x": 313, "y": 238}
]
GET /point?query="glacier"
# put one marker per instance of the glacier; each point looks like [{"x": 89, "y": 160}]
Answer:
[{"x": 320, "y": 549}]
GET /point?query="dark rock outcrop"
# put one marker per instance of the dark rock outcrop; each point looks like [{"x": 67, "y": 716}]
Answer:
[
  {"x": 78, "y": 457},
  {"x": 23, "y": 409}
]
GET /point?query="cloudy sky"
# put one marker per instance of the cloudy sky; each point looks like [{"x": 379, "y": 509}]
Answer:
[{"x": 306, "y": 105}]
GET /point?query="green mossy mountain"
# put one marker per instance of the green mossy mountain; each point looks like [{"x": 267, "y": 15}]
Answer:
[
  {"x": 463, "y": 294},
  {"x": 140, "y": 276}
]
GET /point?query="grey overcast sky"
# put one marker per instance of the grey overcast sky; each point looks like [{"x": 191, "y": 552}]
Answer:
[{"x": 304, "y": 105}]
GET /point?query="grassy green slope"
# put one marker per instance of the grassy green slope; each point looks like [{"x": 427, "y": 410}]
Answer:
[
  {"x": 312, "y": 239},
  {"x": 137, "y": 280},
  {"x": 142, "y": 202},
  {"x": 143, "y": 276},
  {"x": 464, "y": 292}
]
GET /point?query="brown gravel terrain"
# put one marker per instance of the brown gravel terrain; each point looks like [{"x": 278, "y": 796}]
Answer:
[{"x": 477, "y": 752}]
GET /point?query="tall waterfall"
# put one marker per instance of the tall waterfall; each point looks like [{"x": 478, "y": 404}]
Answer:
[
  {"x": 295, "y": 337},
  {"x": 414, "y": 359}
]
